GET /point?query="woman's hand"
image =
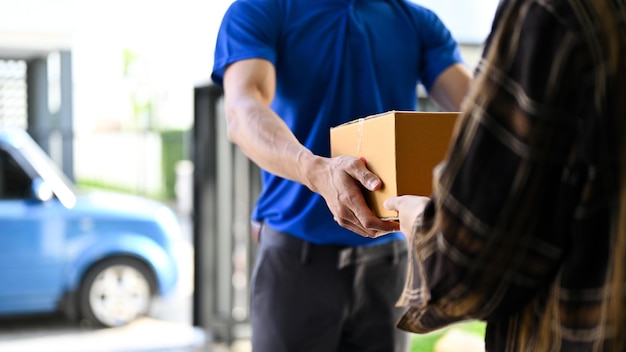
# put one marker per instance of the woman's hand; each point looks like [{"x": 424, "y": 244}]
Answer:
[{"x": 409, "y": 208}]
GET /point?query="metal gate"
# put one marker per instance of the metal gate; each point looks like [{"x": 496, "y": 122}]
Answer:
[{"x": 226, "y": 184}]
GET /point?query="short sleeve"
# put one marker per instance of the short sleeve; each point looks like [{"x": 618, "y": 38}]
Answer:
[
  {"x": 439, "y": 47},
  {"x": 249, "y": 29}
]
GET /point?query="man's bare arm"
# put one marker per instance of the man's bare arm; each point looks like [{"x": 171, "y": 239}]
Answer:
[
  {"x": 451, "y": 87},
  {"x": 249, "y": 87}
]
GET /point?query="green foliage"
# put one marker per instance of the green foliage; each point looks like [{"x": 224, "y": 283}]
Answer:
[
  {"x": 173, "y": 149},
  {"x": 129, "y": 57},
  {"x": 426, "y": 342},
  {"x": 87, "y": 185}
]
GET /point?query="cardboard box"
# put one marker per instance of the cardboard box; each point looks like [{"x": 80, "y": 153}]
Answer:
[{"x": 401, "y": 147}]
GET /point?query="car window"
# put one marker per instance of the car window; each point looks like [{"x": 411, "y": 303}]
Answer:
[{"x": 14, "y": 183}]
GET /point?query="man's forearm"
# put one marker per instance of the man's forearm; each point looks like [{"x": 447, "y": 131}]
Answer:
[
  {"x": 264, "y": 138},
  {"x": 451, "y": 87}
]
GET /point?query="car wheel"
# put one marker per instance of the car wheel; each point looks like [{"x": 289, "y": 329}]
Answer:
[{"x": 115, "y": 292}]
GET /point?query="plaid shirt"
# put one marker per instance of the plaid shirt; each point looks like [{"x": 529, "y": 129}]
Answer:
[{"x": 519, "y": 225}]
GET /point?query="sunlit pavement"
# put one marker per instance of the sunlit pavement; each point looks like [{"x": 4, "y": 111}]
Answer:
[{"x": 145, "y": 334}]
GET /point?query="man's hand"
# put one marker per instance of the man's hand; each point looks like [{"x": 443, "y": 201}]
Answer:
[
  {"x": 340, "y": 182},
  {"x": 408, "y": 208}
]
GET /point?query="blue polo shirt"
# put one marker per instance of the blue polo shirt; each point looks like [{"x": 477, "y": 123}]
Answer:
[{"x": 335, "y": 60}]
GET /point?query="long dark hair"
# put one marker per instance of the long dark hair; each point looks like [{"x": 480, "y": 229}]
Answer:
[
  {"x": 614, "y": 314},
  {"x": 615, "y": 307}
]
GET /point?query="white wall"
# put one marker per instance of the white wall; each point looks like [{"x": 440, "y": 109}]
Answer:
[
  {"x": 175, "y": 40},
  {"x": 468, "y": 20},
  {"x": 33, "y": 27},
  {"x": 174, "y": 43}
]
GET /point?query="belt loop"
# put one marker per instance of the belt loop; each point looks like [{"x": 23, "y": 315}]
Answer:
[
  {"x": 255, "y": 231},
  {"x": 345, "y": 257},
  {"x": 304, "y": 252}
]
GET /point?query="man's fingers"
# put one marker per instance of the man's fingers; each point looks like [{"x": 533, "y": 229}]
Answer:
[{"x": 359, "y": 171}]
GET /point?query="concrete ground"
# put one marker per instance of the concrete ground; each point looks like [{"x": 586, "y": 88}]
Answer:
[
  {"x": 146, "y": 334},
  {"x": 56, "y": 334}
]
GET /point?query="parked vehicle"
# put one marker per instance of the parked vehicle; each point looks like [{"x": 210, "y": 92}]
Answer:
[{"x": 99, "y": 257}]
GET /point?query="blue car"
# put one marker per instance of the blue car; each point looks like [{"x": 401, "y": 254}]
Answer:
[{"x": 98, "y": 257}]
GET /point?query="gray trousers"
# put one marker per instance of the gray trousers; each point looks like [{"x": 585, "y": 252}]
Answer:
[{"x": 310, "y": 298}]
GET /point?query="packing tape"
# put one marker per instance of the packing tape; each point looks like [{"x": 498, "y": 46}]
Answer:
[{"x": 360, "y": 133}]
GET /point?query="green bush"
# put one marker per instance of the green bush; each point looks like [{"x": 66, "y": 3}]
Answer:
[
  {"x": 426, "y": 342},
  {"x": 174, "y": 147},
  {"x": 90, "y": 184}
]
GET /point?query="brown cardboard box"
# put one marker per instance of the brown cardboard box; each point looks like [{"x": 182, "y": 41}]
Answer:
[{"x": 401, "y": 147}]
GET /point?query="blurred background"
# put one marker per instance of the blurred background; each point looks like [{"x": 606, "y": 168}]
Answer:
[{"x": 118, "y": 94}]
